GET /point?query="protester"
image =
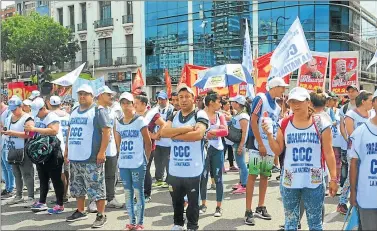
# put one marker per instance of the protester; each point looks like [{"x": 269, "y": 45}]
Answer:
[
  {"x": 26, "y": 106},
  {"x": 88, "y": 137},
  {"x": 363, "y": 171},
  {"x": 261, "y": 156},
  {"x": 134, "y": 147},
  {"x": 228, "y": 113},
  {"x": 16, "y": 136},
  {"x": 215, "y": 158},
  {"x": 303, "y": 183},
  {"x": 175, "y": 101},
  {"x": 186, "y": 129},
  {"x": 47, "y": 124}
]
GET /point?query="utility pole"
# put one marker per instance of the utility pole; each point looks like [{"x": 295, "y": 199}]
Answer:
[
  {"x": 203, "y": 25},
  {"x": 94, "y": 54}
]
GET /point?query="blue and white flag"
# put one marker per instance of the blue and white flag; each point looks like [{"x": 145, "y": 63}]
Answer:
[
  {"x": 373, "y": 61},
  {"x": 95, "y": 84},
  {"x": 247, "y": 60},
  {"x": 291, "y": 53}
]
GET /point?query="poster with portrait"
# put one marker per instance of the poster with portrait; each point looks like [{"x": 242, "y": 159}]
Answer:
[
  {"x": 312, "y": 75},
  {"x": 344, "y": 70}
]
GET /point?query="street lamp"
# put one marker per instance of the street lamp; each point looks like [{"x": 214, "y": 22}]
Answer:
[{"x": 276, "y": 25}]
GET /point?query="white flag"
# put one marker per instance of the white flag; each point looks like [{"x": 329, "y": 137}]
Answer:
[
  {"x": 70, "y": 78},
  {"x": 291, "y": 53},
  {"x": 247, "y": 60},
  {"x": 373, "y": 61}
]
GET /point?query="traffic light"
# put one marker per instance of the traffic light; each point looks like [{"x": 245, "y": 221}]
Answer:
[{"x": 40, "y": 69}]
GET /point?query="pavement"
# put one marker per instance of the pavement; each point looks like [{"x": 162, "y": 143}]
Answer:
[{"x": 159, "y": 212}]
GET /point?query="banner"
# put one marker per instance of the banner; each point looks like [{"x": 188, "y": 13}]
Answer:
[
  {"x": 312, "y": 75},
  {"x": 20, "y": 89},
  {"x": 70, "y": 78},
  {"x": 95, "y": 84},
  {"x": 247, "y": 61},
  {"x": 373, "y": 61},
  {"x": 291, "y": 53},
  {"x": 344, "y": 67}
]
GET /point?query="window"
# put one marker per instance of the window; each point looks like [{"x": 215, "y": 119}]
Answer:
[
  {"x": 83, "y": 12},
  {"x": 129, "y": 45},
  {"x": 71, "y": 15},
  {"x": 105, "y": 50},
  {"x": 84, "y": 51},
  {"x": 60, "y": 15},
  {"x": 105, "y": 9}
]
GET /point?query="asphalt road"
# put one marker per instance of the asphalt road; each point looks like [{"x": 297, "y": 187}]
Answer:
[{"x": 159, "y": 213}]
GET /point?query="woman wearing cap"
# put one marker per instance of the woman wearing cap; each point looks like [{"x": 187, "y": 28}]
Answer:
[
  {"x": 134, "y": 146},
  {"x": 26, "y": 106},
  {"x": 241, "y": 121},
  {"x": 353, "y": 119},
  {"x": 304, "y": 136},
  {"x": 15, "y": 139}
]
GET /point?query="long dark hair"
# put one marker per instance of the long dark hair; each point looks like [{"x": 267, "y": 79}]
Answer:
[{"x": 211, "y": 96}]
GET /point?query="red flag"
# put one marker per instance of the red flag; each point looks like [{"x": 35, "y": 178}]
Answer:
[
  {"x": 137, "y": 83},
  {"x": 168, "y": 83}
]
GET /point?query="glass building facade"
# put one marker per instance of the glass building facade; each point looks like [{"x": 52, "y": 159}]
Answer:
[{"x": 218, "y": 29}]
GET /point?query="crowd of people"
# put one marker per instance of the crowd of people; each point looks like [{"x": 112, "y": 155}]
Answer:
[{"x": 316, "y": 141}]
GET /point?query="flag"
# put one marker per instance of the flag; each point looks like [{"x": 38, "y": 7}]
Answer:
[
  {"x": 373, "y": 61},
  {"x": 291, "y": 53},
  {"x": 168, "y": 83},
  {"x": 137, "y": 83},
  {"x": 247, "y": 60},
  {"x": 70, "y": 78}
]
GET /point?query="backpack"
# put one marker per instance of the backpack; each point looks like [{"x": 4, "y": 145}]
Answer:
[
  {"x": 345, "y": 108},
  {"x": 40, "y": 148},
  {"x": 318, "y": 127}
]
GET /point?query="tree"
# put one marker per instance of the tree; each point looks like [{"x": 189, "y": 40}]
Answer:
[{"x": 36, "y": 40}]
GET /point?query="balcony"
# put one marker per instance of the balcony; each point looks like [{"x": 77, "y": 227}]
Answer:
[
  {"x": 82, "y": 26},
  {"x": 103, "y": 63},
  {"x": 128, "y": 18},
  {"x": 107, "y": 22},
  {"x": 71, "y": 28},
  {"x": 126, "y": 60}
]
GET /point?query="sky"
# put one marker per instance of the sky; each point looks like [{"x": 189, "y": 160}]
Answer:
[{"x": 6, "y": 3}]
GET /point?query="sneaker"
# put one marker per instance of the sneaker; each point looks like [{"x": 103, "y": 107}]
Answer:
[
  {"x": 240, "y": 190},
  {"x": 148, "y": 199},
  {"x": 202, "y": 209},
  {"x": 178, "y": 227},
  {"x": 233, "y": 169},
  {"x": 115, "y": 204},
  {"x": 236, "y": 186},
  {"x": 8, "y": 195},
  {"x": 130, "y": 227},
  {"x": 157, "y": 183},
  {"x": 213, "y": 187},
  {"x": 15, "y": 200},
  {"x": 38, "y": 207},
  {"x": 57, "y": 209},
  {"x": 164, "y": 185},
  {"x": 139, "y": 227},
  {"x": 278, "y": 177},
  {"x": 77, "y": 216},
  {"x": 218, "y": 212},
  {"x": 92, "y": 207},
  {"x": 65, "y": 201},
  {"x": 275, "y": 169},
  {"x": 342, "y": 209},
  {"x": 28, "y": 203},
  {"x": 4, "y": 192},
  {"x": 100, "y": 221},
  {"x": 261, "y": 212},
  {"x": 249, "y": 218}
]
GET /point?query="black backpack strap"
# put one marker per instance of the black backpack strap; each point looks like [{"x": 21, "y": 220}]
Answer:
[{"x": 345, "y": 108}]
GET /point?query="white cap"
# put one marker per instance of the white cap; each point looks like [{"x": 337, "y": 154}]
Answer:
[
  {"x": 185, "y": 87},
  {"x": 375, "y": 94},
  {"x": 85, "y": 88},
  {"x": 326, "y": 95},
  {"x": 298, "y": 93},
  {"x": 36, "y": 105},
  {"x": 105, "y": 89},
  {"x": 34, "y": 94},
  {"x": 126, "y": 95},
  {"x": 276, "y": 82},
  {"x": 240, "y": 99},
  {"x": 55, "y": 100},
  {"x": 27, "y": 102}
]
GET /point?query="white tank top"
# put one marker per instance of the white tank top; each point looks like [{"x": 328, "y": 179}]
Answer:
[
  {"x": 14, "y": 142},
  {"x": 336, "y": 136},
  {"x": 302, "y": 162},
  {"x": 186, "y": 158},
  {"x": 81, "y": 134},
  {"x": 274, "y": 115},
  {"x": 132, "y": 154},
  {"x": 216, "y": 142},
  {"x": 63, "y": 129},
  {"x": 50, "y": 118},
  {"x": 357, "y": 118},
  {"x": 165, "y": 113},
  {"x": 111, "y": 149}
]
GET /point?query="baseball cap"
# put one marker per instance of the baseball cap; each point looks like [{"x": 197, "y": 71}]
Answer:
[
  {"x": 298, "y": 93},
  {"x": 162, "y": 95},
  {"x": 105, "y": 89},
  {"x": 332, "y": 95},
  {"x": 276, "y": 82},
  {"x": 27, "y": 102},
  {"x": 240, "y": 99},
  {"x": 55, "y": 100},
  {"x": 326, "y": 95},
  {"x": 14, "y": 103},
  {"x": 353, "y": 86},
  {"x": 37, "y": 105},
  {"x": 185, "y": 88},
  {"x": 34, "y": 94},
  {"x": 375, "y": 95},
  {"x": 126, "y": 95},
  {"x": 85, "y": 88}
]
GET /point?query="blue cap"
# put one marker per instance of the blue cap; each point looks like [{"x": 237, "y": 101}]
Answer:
[
  {"x": 14, "y": 103},
  {"x": 162, "y": 95}
]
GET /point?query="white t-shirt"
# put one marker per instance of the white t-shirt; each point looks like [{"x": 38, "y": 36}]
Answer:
[{"x": 236, "y": 121}]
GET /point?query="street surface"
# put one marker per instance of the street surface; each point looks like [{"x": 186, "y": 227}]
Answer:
[{"x": 159, "y": 212}]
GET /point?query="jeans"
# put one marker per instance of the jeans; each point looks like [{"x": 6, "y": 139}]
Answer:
[
  {"x": 148, "y": 177},
  {"x": 343, "y": 198},
  {"x": 344, "y": 171},
  {"x": 180, "y": 187},
  {"x": 133, "y": 182},
  {"x": 228, "y": 149},
  {"x": 240, "y": 160},
  {"x": 24, "y": 173},
  {"x": 161, "y": 161},
  {"x": 7, "y": 171},
  {"x": 214, "y": 164},
  {"x": 313, "y": 199},
  {"x": 110, "y": 176}
]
